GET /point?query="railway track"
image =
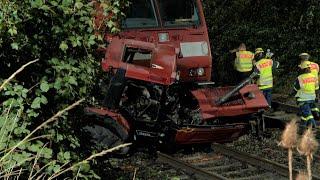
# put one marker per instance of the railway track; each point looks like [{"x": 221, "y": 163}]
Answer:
[
  {"x": 283, "y": 113},
  {"x": 285, "y": 107},
  {"x": 225, "y": 163}
]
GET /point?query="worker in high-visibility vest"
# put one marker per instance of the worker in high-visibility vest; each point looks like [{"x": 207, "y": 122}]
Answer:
[
  {"x": 243, "y": 62},
  {"x": 264, "y": 67},
  {"x": 306, "y": 85},
  {"x": 314, "y": 67}
]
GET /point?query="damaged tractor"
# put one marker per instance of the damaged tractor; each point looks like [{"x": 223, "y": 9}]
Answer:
[{"x": 159, "y": 67}]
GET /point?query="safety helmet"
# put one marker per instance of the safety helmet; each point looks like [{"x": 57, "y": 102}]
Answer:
[
  {"x": 258, "y": 50},
  {"x": 304, "y": 56},
  {"x": 305, "y": 65}
]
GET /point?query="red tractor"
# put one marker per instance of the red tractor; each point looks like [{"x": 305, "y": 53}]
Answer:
[{"x": 160, "y": 91}]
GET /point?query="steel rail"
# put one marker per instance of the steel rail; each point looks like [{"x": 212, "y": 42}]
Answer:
[
  {"x": 188, "y": 167},
  {"x": 280, "y": 120},
  {"x": 290, "y": 109},
  {"x": 285, "y": 107},
  {"x": 255, "y": 161}
]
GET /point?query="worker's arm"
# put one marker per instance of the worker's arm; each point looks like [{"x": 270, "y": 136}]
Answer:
[
  {"x": 254, "y": 62},
  {"x": 252, "y": 59},
  {"x": 236, "y": 60},
  {"x": 296, "y": 85},
  {"x": 256, "y": 70},
  {"x": 275, "y": 64},
  {"x": 234, "y": 50},
  {"x": 317, "y": 91}
]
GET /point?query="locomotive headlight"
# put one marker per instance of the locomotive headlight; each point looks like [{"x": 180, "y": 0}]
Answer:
[
  {"x": 163, "y": 37},
  {"x": 200, "y": 71},
  {"x": 192, "y": 72},
  {"x": 197, "y": 72}
]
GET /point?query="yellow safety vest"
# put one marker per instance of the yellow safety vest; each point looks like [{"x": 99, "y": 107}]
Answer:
[
  {"x": 308, "y": 83},
  {"x": 243, "y": 62},
  {"x": 265, "y": 79},
  {"x": 314, "y": 69}
]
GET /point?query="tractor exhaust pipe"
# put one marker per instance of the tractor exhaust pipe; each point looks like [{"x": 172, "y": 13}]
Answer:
[{"x": 227, "y": 96}]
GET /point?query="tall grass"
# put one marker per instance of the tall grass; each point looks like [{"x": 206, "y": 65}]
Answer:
[
  {"x": 102, "y": 153},
  {"x": 15, "y": 73},
  {"x": 9, "y": 169}
]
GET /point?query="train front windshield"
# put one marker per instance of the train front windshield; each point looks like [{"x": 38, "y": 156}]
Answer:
[
  {"x": 140, "y": 14},
  {"x": 178, "y": 13},
  {"x": 173, "y": 13}
]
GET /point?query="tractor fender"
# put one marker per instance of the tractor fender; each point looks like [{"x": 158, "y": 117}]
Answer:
[{"x": 115, "y": 121}]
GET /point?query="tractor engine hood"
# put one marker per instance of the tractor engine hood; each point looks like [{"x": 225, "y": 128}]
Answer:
[
  {"x": 247, "y": 100},
  {"x": 143, "y": 61}
]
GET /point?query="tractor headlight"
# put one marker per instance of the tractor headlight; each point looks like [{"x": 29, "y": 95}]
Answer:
[{"x": 200, "y": 71}]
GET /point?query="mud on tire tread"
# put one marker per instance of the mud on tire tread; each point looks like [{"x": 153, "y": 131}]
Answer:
[{"x": 99, "y": 137}]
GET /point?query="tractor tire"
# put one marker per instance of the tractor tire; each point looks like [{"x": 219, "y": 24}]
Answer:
[{"x": 101, "y": 138}]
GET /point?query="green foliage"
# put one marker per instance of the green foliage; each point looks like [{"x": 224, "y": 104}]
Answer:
[
  {"x": 286, "y": 27},
  {"x": 62, "y": 35}
]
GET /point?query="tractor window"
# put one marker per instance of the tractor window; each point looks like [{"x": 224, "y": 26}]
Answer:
[
  {"x": 140, "y": 14},
  {"x": 137, "y": 56},
  {"x": 179, "y": 13}
]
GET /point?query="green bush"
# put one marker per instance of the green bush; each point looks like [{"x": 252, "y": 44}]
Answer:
[
  {"x": 62, "y": 35},
  {"x": 286, "y": 27}
]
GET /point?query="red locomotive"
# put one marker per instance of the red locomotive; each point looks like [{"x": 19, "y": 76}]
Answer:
[{"x": 160, "y": 69}]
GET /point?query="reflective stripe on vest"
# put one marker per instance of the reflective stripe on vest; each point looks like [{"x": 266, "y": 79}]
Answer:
[
  {"x": 265, "y": 68},
  {"x": 307, "y": 91},
  {"x": 243, "y": 62}
]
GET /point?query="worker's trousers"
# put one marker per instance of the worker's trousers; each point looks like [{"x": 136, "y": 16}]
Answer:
[
  {"x": 308, "y": 113},
  {"x": 268, "y": 95},
  {"x": 243, "y": 75}
]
